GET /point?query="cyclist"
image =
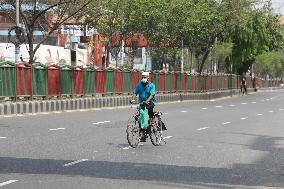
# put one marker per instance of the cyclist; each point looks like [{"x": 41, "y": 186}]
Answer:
[
  {"x": 146, "y": 92},
  {"x": 243, "y": 86}
]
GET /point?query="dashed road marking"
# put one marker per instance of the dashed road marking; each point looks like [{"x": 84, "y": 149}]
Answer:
[
  {"x": 218, "y": 106},
  {"x": 244, "y": 103},
  {"x": 225, "y": 123},
  {"x": 280, "y": 109},
  {"x": 253, "y": 102},
  {"x": 259, "y": 114},
  {"x": 270, "y": 111},
  {"x": 167, "y": 137},
  {"x": 243, "y": 118},
  {"x": 126, "y": 148},
  {"x": 3, "y": 137},
  {"x": 203, "y": 128},
  {"x": 232, "y": 105},
  {"x": 166, "y": 113},
  {"x": 74, "y": 162},
  {"x": 57, "y": 129},
  {"x": 204, "y": 108},
  {"x": 7, "y": 182},
  {"x": 183, "y": 111},
  {"x": 100, "y": 122}
]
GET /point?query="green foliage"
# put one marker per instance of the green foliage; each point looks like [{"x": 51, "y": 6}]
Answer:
[
  {"x": 269, "y": 64},
  {"x": 259, "y": 33}
]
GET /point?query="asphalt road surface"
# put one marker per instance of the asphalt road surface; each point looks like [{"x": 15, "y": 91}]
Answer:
[{"x": 228, "y": 143}]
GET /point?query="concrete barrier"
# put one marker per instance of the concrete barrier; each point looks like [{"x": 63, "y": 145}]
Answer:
[{"x": 32, "y": 107}]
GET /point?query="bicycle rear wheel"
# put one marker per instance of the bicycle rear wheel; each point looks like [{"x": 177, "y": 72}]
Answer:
[
  {"x": 133, "y": 131},
  {"x": 156, "y": 131}
]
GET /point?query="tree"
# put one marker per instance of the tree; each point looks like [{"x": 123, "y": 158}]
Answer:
[
  {"x": 46, "y": 16},
  {"x": 259, "y": 32}
]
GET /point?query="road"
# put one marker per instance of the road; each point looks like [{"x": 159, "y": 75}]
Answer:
[{"x": 227, "y": 143}]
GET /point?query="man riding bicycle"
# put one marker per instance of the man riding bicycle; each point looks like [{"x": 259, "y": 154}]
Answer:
[
  {"x": 146, "y": 92},
  {"x": 243, "y": 86}
]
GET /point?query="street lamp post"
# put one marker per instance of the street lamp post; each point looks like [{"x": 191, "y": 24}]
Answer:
[
  {"x": 181, "y": 66},
  {"x": 17, "y": 45}
]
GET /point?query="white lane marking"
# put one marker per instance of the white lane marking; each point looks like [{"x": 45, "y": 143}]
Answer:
[
  {"x": 243, "y": 118},
  {"x": 140, "y": 144},
  {"x": 225, "y": 123},
  {"x": 57, "y": 129},
  {"x": 7, "y": 182},
  {"x": 167, "y": 137},
  {"x": 259, "y": 114},
  {"x": 218, "y": 106},
  {"x": 253, "y": 102},
  {"x": 126, "y": 148},
  {"x": 204, "y": 108},
  {"x": 100, "y": 122},
  {"x": 280, "y": 109},
  {"x": 232, "y": 105},
  {"x": 270, "y": 111},
  {"x": 268, "y": 99},
  {"x": 244, "y": 103},
  {"x": 183, "y": 111},
  {"x": 166, "y": 113},
  {"x": 74, "y": 162},
  {"x": 203, "y": 128},
  {"x": 3, "y": 137}
]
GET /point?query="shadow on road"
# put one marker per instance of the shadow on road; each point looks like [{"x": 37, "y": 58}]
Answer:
[{"x": 268, "y": 171}]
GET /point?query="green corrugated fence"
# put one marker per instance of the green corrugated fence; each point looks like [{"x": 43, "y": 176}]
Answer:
[
  {"x": 127, "y": 81},
  {"x": 110, "y": 80},
  {"x": 66, "y": 80},
  {"x": 7, "y": 79},
  {"x": 89, "y": 81},
  {"x": 39, "y": 79}
]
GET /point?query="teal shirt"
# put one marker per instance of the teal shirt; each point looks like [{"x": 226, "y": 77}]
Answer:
[{"x": 144, "y": 91}]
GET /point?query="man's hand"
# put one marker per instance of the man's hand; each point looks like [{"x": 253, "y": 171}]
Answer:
[
  {"x": 132, "y": 101},
  {"x": 146, "y": 102}
]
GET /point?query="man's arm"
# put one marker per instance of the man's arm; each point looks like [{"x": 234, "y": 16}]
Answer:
[
  {"x": 149, "y": 99},
  {"x": 152, "y": 93}
]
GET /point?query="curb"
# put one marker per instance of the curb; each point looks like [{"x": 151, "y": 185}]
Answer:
[{"x": 33, "y": 107}]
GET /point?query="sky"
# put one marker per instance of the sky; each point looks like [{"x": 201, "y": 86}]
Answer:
[{"x": 278, "y": 6}]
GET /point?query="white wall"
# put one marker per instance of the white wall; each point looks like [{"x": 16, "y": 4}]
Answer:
[{"x": 46, "y": 54}]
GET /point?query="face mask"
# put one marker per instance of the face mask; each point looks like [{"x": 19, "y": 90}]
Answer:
[{"x": 144, "y": 80}]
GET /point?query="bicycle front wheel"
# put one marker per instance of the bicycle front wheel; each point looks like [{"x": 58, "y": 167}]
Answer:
[
  {"x": 156, "y": 131},
  {"x": 133, "y": 131}
]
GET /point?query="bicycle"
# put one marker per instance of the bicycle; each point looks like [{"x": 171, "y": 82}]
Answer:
[
  {"x": 134, "y": 131},
  {"x": 243, "y": 90}
]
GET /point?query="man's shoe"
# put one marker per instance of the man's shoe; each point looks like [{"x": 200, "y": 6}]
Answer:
[{"x": 143, "y": 138}]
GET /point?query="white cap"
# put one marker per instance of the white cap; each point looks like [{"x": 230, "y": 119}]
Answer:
[{"x": 145, "y": 74}]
